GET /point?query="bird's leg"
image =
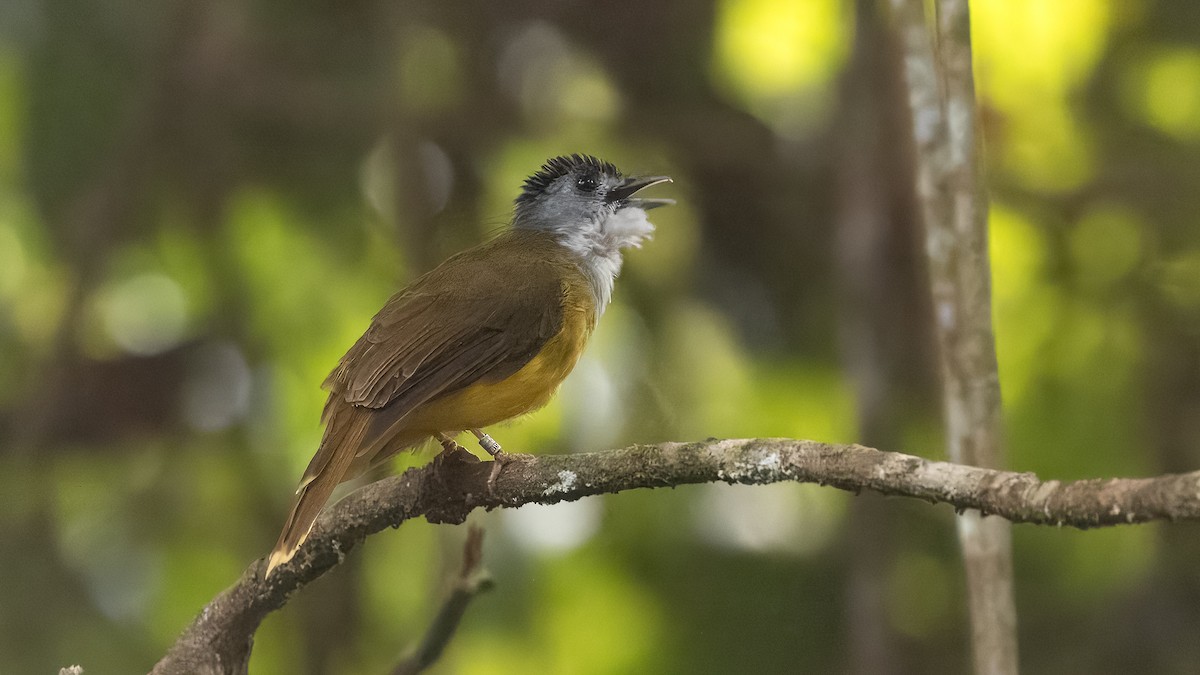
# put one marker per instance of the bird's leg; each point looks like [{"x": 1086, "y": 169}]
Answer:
[
  {"x": 448, "y": 444},
  {"x": 449, "y": 447},
  {"x": 488, "y": 443},
  {"x": 446, "y": 462},
  {"x": 501, "y": 458}
]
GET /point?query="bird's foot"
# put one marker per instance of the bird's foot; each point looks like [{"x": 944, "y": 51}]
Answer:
[
  {"x": 500, "y": 459},
  {"x": 449, "y": 446},
  {"x": 449, "y": 449}
]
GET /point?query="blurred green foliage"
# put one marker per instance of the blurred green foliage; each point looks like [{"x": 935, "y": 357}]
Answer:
[{"x": 203, "y": 203}]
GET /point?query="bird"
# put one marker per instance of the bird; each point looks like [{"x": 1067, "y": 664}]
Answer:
[{"x": 484, "y": 337}]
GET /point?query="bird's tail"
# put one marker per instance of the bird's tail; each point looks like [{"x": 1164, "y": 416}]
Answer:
[{"x": 327, "y": 469}]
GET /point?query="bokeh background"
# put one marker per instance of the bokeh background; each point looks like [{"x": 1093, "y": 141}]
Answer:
[{"x": 202, "y": 202}]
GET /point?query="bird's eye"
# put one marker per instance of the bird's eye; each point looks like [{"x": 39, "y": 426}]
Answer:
[{"x": 586, "y": 183}]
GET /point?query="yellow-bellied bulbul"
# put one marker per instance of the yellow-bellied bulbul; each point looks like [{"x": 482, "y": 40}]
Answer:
[{"x": 486, "y": 336}]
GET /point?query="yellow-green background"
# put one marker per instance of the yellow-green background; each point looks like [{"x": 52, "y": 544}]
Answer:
[{"x": 203, "y": 202}]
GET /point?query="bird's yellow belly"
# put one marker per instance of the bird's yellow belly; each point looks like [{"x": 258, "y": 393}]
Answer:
[{"x": 486, "y": 403}]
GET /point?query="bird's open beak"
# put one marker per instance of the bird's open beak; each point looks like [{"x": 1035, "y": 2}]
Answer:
[{"x": 621, "y": 195}]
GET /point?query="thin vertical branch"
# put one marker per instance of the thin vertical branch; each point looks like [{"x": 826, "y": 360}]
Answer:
[{"x": 954, "y": 206}]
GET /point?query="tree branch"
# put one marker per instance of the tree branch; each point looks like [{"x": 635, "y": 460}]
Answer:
[
  {"x": 220, "y": 638},
  {"x": 942, "y": 99},
  {"x": 471, "y": 581}
]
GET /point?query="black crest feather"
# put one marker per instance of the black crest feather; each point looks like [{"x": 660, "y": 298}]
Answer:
[{"x": 560, "y": 166}]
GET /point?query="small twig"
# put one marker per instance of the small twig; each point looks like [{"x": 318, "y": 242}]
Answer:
[{"x": 472, "y": 580}]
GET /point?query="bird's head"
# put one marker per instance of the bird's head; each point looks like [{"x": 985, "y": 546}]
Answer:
[{"x": 588, "y": 205}]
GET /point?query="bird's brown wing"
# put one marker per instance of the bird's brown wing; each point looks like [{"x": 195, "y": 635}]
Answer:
[
  {"x": 481, "y": 315},
  {"x": 429, "y": 341}
]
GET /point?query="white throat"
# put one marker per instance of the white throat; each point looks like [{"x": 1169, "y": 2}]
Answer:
[{"x": 599, "y": 248}]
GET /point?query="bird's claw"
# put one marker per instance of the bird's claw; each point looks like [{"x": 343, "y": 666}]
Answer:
[
  {"x": 500, "y": 458},
  {"x": 449, "y": 446}
]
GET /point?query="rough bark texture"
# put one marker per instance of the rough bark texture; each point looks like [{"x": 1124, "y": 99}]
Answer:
[
  {"x": 942, "y": 97},
  {"x": 220, "y": 638}
]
